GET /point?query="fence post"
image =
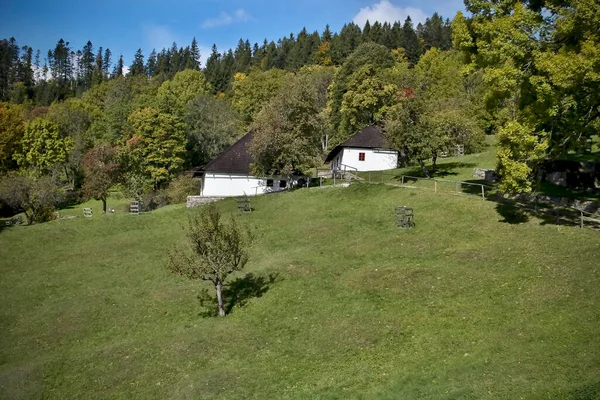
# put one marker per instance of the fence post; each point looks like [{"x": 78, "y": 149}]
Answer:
[
  {"x": 581, "y": 218},
  {"x": 482, "y": 192},
  {"x": 435, "y": 186},
  {"x": 402, "y": 180}
]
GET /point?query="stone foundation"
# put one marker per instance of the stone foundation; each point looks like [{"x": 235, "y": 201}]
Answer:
[
  {"x": 196, "y": 201},
  {"x": 489, "y": 175}
]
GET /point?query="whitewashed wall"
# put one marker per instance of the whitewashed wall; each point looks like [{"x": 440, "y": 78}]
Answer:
[
  {"x": 225, "y": 185},
  {"x": 375, "y": 160}
]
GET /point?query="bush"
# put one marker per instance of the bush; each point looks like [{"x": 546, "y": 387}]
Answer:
[
  {"x": 37, "y": 197},
  {"x": 181, "y": 187}
]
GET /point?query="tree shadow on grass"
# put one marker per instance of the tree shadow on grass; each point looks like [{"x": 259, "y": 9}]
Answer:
[
  {"x": 236, "y": 293},
  {"x": 511, "y": 214},
  {"x": 587, "y": 392},
  {"x": 441, "y": 170}
]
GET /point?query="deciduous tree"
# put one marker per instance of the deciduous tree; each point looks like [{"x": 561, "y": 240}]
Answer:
[
  {"x": 100, "y": 172},
  {"x": 36, "y": 197},
  {"x": 215, "y": 250}
]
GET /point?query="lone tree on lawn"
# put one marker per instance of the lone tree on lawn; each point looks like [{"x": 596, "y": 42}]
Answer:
[
  {"x": 216, "y": 249},
  {"x": 100, "y": 172}
]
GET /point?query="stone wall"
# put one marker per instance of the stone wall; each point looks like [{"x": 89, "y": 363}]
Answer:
[
  {"x": 489, "y": 175},
  {"x": 589, "y": 206},
  {"x": 195, "y": 201}
]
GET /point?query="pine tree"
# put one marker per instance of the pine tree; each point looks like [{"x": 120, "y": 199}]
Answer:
[
  {"x": 366, "y": 32},
  {"x": 87, "y": 65},
  {"x": 118, "y": 70},
  {"x": 151, "y": 65},
  {"x": 98, "y": 72},
  {"x": 243, "y": 56},
  {"x": 211, "y": 71},
  {"x": 326, "y": 36},
  {"x": 410, "y": 42},
  {"x": 175, "y": 60},
  {"x": 60, "y": 62},
  {"x": 106, "y": 62},
  {"x": 137, "y": 68},
  {"x": 195, "y": 55}
]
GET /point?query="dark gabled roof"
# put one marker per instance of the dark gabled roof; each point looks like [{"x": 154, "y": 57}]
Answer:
[
  {"x": 235, "y": 159},
  {"x": 370, "y": 137}
]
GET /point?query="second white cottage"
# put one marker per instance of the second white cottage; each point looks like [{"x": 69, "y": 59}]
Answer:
[{"x": 366, "y": 151}]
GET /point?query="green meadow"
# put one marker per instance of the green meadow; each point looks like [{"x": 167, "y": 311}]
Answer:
[{"x": 335, "y": 303}]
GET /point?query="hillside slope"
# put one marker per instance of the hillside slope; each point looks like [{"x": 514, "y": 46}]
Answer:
[{"x": 339, "y": 304}]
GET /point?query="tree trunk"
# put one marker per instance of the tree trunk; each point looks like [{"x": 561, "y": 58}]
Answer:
[
  {"x": 424, "y": 168},
  {"x": 103, "y": 205},
  {"x": 219, "y": 288},
  {"x": 434, "y": 160}
]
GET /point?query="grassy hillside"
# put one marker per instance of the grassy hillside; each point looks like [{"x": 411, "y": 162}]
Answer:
[{"x": 335, "y": 303}]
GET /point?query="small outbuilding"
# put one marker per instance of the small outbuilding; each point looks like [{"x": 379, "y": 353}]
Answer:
[
  {"x": 230, "y": 174},
  {"x": 368, "y": 150}
]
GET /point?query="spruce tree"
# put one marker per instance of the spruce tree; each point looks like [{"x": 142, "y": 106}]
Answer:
[
  {"x": 326, "y": 36},
  {"x": 87, "y": 64},
  {"x": 118, "y": 70},
  {"x": 410, "y": 42},
  {"x": 151, "y": 67},
  {"x": 195, "y": 55},
  {"x": 137, "y": 68},
  {"x": 106, "y": 61}
]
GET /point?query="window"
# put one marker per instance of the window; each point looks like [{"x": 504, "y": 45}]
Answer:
[
  {"x": 361, "y": 156},
  {"x": 269, "y": 182},
  {"x": 282, "y": 184}
]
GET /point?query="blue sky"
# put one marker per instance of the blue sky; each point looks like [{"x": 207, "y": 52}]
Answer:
[{"x": 126, "y": 25}]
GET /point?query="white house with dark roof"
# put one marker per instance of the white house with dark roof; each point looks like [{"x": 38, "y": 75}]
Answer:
[
  {"x": 366, "y": 151},
  {"x": 229, "y": 174}
]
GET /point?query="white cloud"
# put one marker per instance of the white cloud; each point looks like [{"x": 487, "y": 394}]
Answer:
[
  {"x": 384, "y": 11},
  {"x": 125, "y": 69},
  {"x": 225, "y": 18}
]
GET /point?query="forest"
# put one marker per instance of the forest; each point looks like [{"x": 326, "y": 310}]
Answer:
[{"x": 74, "y": 124}]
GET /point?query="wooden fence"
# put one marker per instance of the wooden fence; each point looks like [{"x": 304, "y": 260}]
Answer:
[{"x": 548, "y": 213}]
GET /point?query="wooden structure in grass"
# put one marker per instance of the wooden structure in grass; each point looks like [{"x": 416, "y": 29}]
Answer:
[
  {"x": 405, "y": 217},
  {"x": 135, "y": 207},
  {"x": 243, "y": 204},
  {"x": 88, "y": 213}
]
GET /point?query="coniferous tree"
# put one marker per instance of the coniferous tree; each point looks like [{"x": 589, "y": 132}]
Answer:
[
  {"x": 98, "y": 72},
  {"x": 137, "y": 68},
  {"x": 243, "y": 56},
  {"x": 410, "y": 42},
  {"x": 175, "y": 60},
  {"x": 87, "y": 65},
  {"x": 211, "y": 71},
  {"x": 61, "y": 67},
  {"x": 118, "y": 70},
  {"x": 326, "y": 36},
  {"x": 106, "y": 61},
  {"x": 194, "y": 61},
  {"x": 151, "y": 66}
]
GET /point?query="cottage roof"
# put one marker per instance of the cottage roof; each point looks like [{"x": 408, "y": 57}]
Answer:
[
  {"x": 370, "y": 137},
  {"x": 236, "y": 159}
]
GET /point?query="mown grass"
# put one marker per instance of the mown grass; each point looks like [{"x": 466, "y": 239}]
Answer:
[{"x": 340, "y": 304}]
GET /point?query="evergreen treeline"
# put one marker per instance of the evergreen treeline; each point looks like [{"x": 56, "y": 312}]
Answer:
[{"x": 65, "y": 72}]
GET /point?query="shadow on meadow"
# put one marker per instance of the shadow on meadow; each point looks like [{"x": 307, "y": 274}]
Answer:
[
  {"x": 440, "y": 171},
  {"x": 587, "y": 392},
  {"x": 236, "y": 293}
]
